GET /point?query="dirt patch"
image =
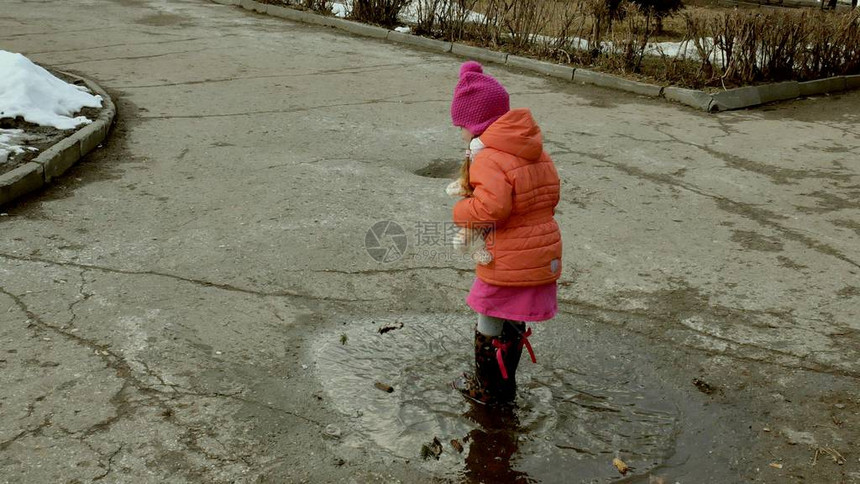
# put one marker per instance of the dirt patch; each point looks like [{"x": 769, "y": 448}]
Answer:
[
  {"x": 848, "y": 224},
  {"x": 756, "y": 241},
  {"x": 828, "y": 202},
  {"x": 786, "y": 262}
]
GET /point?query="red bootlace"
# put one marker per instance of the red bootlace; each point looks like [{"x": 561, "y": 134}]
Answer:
[
  {"x": 502, "y": 347},
  {"x": 528, "y": 345}
]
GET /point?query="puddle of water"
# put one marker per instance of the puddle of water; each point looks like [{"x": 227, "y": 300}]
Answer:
[{"x": 567, "y": 422}]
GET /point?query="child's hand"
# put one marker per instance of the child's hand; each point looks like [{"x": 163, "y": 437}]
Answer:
[
  {"x": 455, "y": 189},
  {"x": 459, "y": 241}
]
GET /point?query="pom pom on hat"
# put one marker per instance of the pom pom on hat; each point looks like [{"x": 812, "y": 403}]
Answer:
[
  {"x": 479, "y": 99},
  {"x": 471, "y": 66}
]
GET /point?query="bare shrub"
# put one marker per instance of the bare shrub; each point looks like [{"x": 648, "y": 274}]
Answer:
[
  {"x": 628, "y": 39},
  {"x": 572, "y": 32},
  {"x": 380, "y": 12},
  {"x": 444, "y": 18},
  {"x": 782, "y": 45},
  {"x": 724, "y": 48},
  {"x": 317, "y": 5},
  {"x": 430, "y": 14}
]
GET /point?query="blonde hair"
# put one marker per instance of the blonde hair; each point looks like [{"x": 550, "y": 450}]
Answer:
[{"x": 465, "y": 183}]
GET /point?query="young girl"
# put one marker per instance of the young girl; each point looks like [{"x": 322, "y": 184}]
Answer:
[{"x": 514, "y": 191}]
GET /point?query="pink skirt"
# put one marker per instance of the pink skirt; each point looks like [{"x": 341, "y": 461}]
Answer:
[{"x": 536, "y": 303}]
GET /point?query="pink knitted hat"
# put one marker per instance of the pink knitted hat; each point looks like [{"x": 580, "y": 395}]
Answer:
[{"x": 479, "y": 100}]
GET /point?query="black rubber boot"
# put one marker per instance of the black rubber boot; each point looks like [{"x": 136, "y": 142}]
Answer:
[
  {"x": 483, "y": 385},
  {"x": 496, "y": 362},
  {"x": 512, "y": 350}
]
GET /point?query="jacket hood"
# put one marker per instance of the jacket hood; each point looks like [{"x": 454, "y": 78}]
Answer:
[{"x": 515, "y": 133}]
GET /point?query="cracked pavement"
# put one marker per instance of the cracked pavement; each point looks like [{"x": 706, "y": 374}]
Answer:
[{"x": 157, "y": 300}]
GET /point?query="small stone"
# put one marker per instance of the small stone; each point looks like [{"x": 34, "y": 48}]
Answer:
[
  {"x": 332, "y": 431},
  {"x": 218, "y": 353},
  {"x": 304, "y": 367},
  {"x": 840, "y": 405},
  {"x": 794, "y": 437}
]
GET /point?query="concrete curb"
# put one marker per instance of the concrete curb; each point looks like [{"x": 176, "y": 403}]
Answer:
[
  {"x": 358, "y": 28},
  {"x": 478, "y": 53},
  {"x": 740, "y": 98},
  {"x": 554, "y": 70},
  {"x": 690, "y": 97},
  {"x": 418, "y": 41},
  {"x": 586, "y": 76},
  {"x": 822, "y": 86},
  {"x": 55, "y": 160}
]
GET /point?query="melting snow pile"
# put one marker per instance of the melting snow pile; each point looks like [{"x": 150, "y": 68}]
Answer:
[
  {"x": 31, "y": 92},
  {"x": 9, "y": 143}
]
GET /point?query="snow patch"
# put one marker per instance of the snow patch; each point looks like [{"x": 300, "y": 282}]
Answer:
[
  {"x": 33, "y": 93},
  {"x": 10, "y": 143},
  {"x": 340, "y": 10}
]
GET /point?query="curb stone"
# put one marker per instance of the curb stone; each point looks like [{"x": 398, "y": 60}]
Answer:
[
  {"x": 553, "y": 70},
  {"x": 59, "y": 157},
  {"x": 418, "y": 41},
  {"x": 781, "y": 91},
  {"x": 288, "y": 13},
  {"x": 740, "y": 98},
  {"x": 608, "y": 80},
  {"x": 254, "y": 6},
  {"x": 822, "y": 86},
  {"x": 358, "y": 28},
  {"x": 690, "y": 97},
  {"x": 479, "y": 53},
  {"x": 20, "y": 181}
]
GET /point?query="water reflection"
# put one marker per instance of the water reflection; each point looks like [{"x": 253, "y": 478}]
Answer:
[{"x": 493, "y": 445}]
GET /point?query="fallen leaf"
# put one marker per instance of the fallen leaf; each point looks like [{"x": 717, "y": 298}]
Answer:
[
  {"x": 776, "y": 465},
  {"x": 390, "y": 327},
  {"x": 704, "y": 386},
  {"x": 457, "y": 445},
  {"x": 384, "y": 387},
  {"x": 621, "y": 466}
]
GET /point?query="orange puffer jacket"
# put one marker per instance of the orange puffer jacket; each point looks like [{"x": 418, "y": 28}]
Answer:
[{"x": 516, "y": 189}]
